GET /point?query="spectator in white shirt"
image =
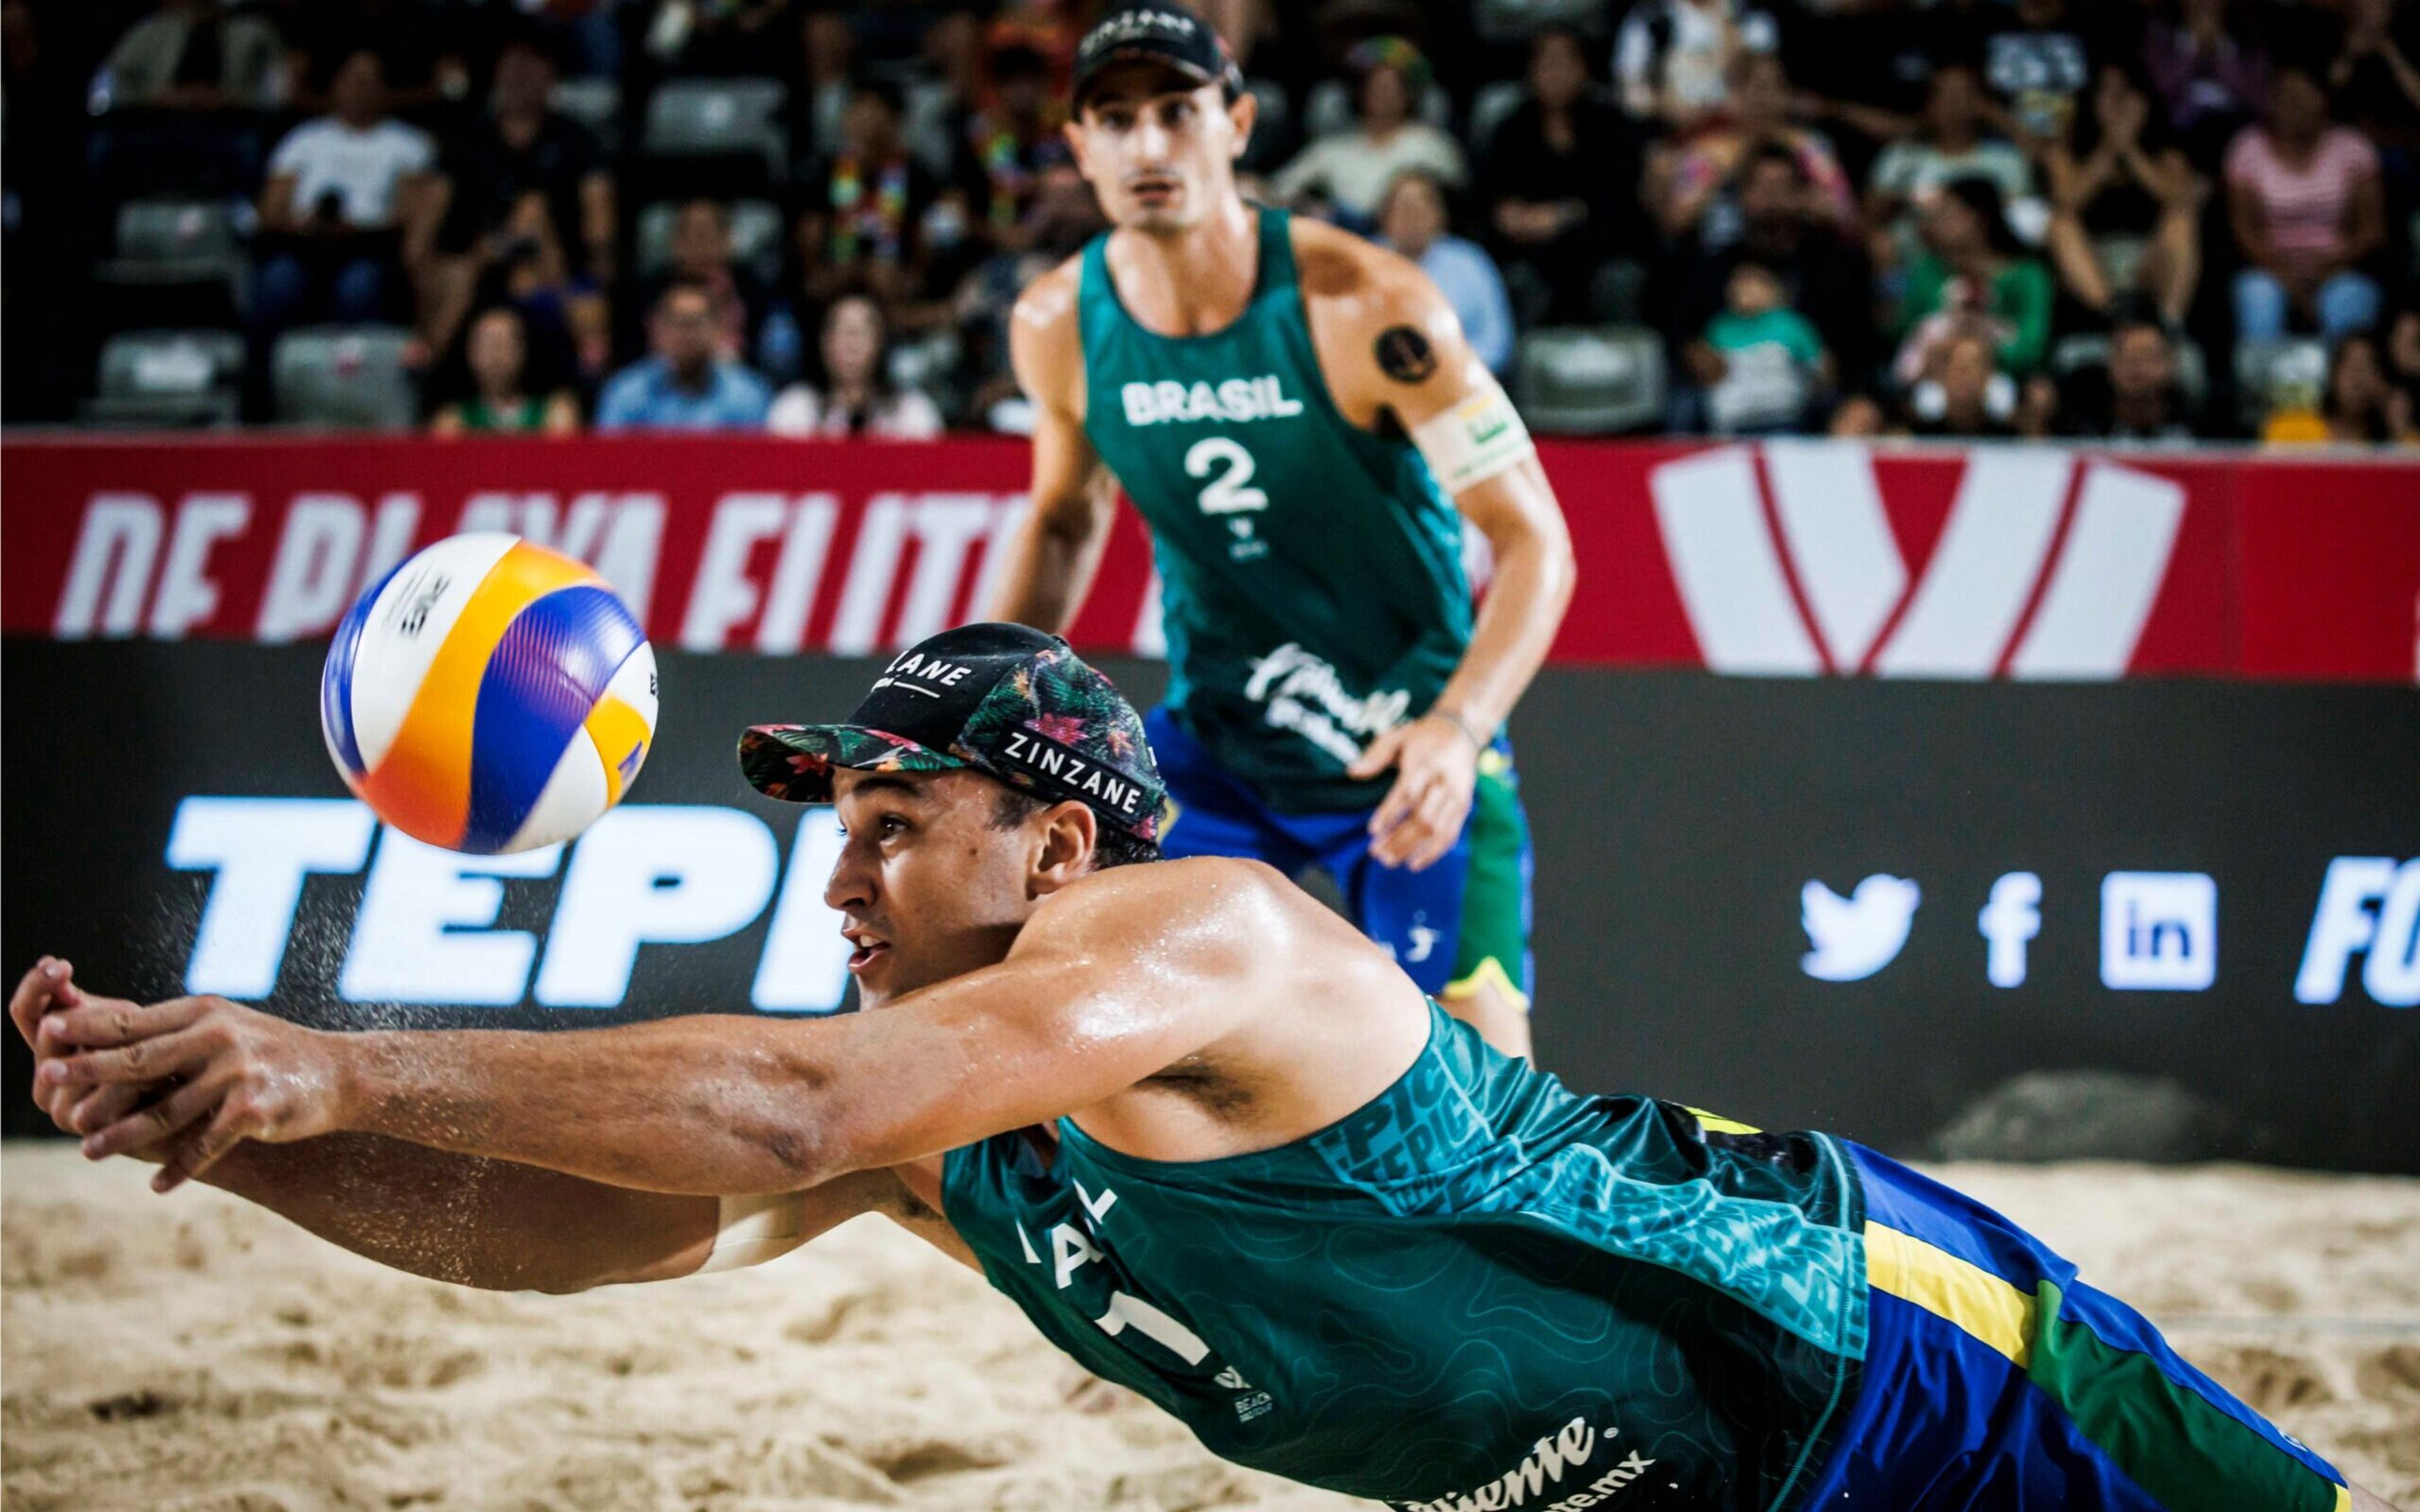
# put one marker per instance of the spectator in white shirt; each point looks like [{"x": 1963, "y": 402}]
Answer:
[
  {"x": 1672, "y": 60},
  {"x": 1952, "y": 141},
  {"x": 330, "y": 213},
  {"x": 858, "y": 397},
  {"x": 1350, "y": 171}
]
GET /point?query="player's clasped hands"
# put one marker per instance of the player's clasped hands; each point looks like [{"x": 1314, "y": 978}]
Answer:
[
  {"x": 181, "y": 1082},
  {"x": 1437, "y": 766}
]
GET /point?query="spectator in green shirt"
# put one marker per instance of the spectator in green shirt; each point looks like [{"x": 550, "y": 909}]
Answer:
[
  {"x": 1760, "y": 362},
  {"x": 503, "y": 399},
  {"x": 1972, "y": 265}
]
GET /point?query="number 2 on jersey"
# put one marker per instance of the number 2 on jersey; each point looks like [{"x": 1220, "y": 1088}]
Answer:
[{"x": 1229, "y": 493}]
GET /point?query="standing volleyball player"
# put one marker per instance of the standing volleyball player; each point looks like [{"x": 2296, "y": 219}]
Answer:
[{"x": 1298, "y": 417}]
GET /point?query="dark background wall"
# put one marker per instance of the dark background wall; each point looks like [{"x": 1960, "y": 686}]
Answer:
[{"x": 1678, "y": 816}]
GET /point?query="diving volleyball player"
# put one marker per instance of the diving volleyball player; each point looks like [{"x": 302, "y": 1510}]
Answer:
[
  {"x": 1297, "y": 416},
  {"x": 1222, "y": 1150}
]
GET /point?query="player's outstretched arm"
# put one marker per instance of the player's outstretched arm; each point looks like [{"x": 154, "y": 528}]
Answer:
[
  {"x": 471, "y": 1221},
  {"x": 458, "y": 1218},
  {"x": 467, "y": 1219},
  {"x": 1118, "y": 975},
  {"x": 1054, "y": 554},
  {"x": 1391, "y": 346}
]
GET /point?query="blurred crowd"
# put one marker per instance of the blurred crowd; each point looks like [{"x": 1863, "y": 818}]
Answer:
[{"x": 2138, "y": 221}]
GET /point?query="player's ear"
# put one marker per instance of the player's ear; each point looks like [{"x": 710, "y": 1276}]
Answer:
[
  {"x": 1072, "y": 130},
  {"x": 1069, "y": 832},
  {"x": 1244, "y": 111}
]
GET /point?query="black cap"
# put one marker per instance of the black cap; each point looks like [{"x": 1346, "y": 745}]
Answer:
[
  {"x": 1154, "y": 31},
  {"x": 1003, "y": 700}
]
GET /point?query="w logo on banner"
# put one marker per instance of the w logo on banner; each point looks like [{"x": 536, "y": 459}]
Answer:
[{"x": 2046, "y": 566}]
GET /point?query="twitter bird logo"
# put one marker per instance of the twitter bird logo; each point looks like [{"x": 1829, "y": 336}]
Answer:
[{"x": 1857, "y": 935}]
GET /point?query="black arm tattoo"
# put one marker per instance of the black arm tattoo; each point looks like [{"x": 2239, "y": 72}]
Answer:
[{"x": 1405, "y": 354}]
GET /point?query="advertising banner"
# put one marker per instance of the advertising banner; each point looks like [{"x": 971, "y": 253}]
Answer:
[
  {"x": 1796, "y": 558},
  {"x": 1864, "y": 905}
]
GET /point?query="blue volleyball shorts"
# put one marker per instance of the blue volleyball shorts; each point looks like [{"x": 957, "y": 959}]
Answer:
[
  {"x": 1996, "y": 1379},
  {"x": 1463, "y": 921}
]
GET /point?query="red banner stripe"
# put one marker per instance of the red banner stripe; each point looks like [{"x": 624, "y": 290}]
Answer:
[{"x": 1784, "y": 557}]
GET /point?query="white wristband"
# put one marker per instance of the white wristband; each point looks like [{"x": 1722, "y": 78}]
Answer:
[
  {"x": 754, "y": 1229},
  {"x": 1474, "y": 440}
]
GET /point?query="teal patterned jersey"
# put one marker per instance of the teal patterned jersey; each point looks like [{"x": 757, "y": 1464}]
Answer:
[
  {"x": 1311, "y": 587},
  {"x": 1478, "y": 1290}
]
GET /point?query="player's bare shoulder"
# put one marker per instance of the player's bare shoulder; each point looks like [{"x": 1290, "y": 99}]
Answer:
[
  {"x": 1296, "y": 1015},
  {"x": 1045, "y": 338},
  {"x": 1387, "y": 337},
  {"x": 1195, "y": 910},
  {"x": 1347, "y": 277},
  {"x": 1225, "y": 919}
]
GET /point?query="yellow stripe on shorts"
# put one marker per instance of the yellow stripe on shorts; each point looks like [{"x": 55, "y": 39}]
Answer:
[
  {"x": 2182, "y": 1446},
  {"x": 1716, "y": 1123},
  {"x": 1958, "y": 1290},
  {"x": 1489, "y": 972}
]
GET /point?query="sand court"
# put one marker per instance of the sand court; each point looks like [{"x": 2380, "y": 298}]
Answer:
[{"x": 197, "y": 1354}]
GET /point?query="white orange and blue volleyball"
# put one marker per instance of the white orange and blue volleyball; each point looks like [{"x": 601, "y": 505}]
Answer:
[{"x": 490, "y": 696}]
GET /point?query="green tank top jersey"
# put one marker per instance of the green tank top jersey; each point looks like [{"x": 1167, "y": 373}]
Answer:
[
  {"x": 477, "y": 415},
  {"x": 1478, "y": 1290},
  {"x": 1311, "y": 584}
]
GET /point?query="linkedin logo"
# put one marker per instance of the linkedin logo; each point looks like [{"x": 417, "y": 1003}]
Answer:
[{"x": 2159, "y": 931}]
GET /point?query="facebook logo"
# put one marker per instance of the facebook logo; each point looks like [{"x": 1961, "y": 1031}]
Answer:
[
  {"x": 2010, "y": 917},
  {"x": 2159, "y": 931}
]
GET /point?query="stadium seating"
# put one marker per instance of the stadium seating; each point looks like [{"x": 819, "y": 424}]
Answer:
[
  {"x": 2075, "y": 354},
  {"x": 1328, "y": 109},
  {"x": 177, "y": 244},
  {"x": 2121, "y": 258},
  {"x": 719, "y": 117},
  {"x": 925, "y": 363},
  {"x": 2285, "y": 373},
  {"x": 153, "y": 378},
  {"x": 163, "y": 239},
  {"x": 925, "y": 126},
  {"x": 1583, "y": 381},
  {"x": 755, "y": 236},
  {"x": 821, "y": 110},
  {"x": 1514, "y": 21},
  {"x": 347, "y": 376},
  {"x": 1617, "y": 290},
  {"x": 1491, "y": 107},
  {"x": 595, "y": 103},
  {"x": 1273, "y": 131}
]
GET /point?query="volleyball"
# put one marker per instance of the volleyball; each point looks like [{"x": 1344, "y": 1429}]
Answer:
[{"x": 490, "y": 696}]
